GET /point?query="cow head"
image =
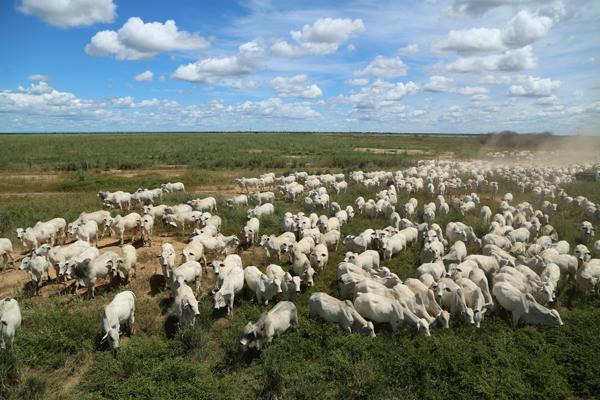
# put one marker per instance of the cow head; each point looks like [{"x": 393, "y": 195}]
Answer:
[
  {"x": 249, "y": 336},
  {"x": 113, "y": 338}
]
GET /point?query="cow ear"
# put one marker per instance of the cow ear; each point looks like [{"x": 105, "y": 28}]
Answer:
[
  {"x": 302, "y": 282},
  {"x": 104, "y": 338},
  {"x": 200, "y": 303},
  {"x": 475, "y": 311},
  {"x": 185, "y": 281}
]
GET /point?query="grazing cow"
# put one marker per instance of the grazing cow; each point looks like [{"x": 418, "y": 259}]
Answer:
[
  {"x": 456, "y": 255},
  {"x": 365, "y": 260},
  {"x": 395, "y": 312},
  {"x": 208, "y": 204},
  {"x": 173, "y": 187},
  {"x": 588, "y": 276},
  {"x": 271, "y": 323},
  {"x": 260, "y": 211},
  {"x": 120, "y": 309},
  {"x": 167, "y": 260},
  {"x": 10, "y": 321},
  {"x": 358, "y": 244},
  {"x": 186, "y": 305},
  {"x": 237, "y": 201},
  {"x": 342, "y": 312},
  {"x": 523, "y": 306}
]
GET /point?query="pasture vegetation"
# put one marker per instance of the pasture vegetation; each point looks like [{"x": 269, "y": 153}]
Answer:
[{"x": 57, "y": 352}]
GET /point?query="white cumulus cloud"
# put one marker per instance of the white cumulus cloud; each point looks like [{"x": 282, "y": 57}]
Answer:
[
  {"x": 509, "y": 61},
  {"x": 322, "y": 38},
  {"x": 245, "y": 85},
  {"x": 273, "y": 108},
  {"x": 162, "y": 78},
  {"x": 439, "y": 84},
  {"x": 384, "y": 68},
  {"x": 292, "y": 87},
  {"x": 137, "y": 40},
  {"x": 147, "y": 77},
  {"x": 476, "y": 8},
  {"x": 39, "y": 78},
  {"x": 523, "y": 29},
  {"x": 470, "y": 91},
  {"x": 357, "y": 82},
  {"x": 410, "y": 49},
  {"x": 535, "y": 87},
  {"x": 70, "y": 13},
  {"x": 595, "y": 85},
  {"x": 211, "y": 70}
]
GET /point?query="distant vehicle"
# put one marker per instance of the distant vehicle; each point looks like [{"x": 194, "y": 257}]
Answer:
[{"x": 588, "y": 176}]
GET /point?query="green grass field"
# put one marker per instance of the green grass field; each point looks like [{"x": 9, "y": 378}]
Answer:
[{"x": 57, "y": 352}]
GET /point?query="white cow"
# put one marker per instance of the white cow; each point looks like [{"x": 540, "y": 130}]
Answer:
[
  {"x": 186, "y": 273},
  {"x": 222, "y": 268},
  {"x": 395, "y": 312},
  {"x": 237, "y": 201},
  {"x": 342, "y": 312},
  {"x": 523, "y": 306},
  {"x": 120, "y": 309},
  {"x": 233, "y": 284},
  {"x": 587, "y": 232},
  {"x": 186, "y": 305},
  {"x": 167, "y": 260},
  {"x": 145, "y": 225},
  {"x": 271, "y": 323},
  {"x": 173, "y": 187},
  {"x": 10, "y": 320},
  {"x": 208, "y": 204},
  {"x": 120, "y": 225},
  {"x": 35, "y": 266},
  {"x": 264, "y": 287},
  {"x": 290, "y": 285},
  {"x": 126, "y": 264},
  {"x": 251, "y": 232},
  {"x": 6, "y": 251},
  {"x": 260, "y": 211}
]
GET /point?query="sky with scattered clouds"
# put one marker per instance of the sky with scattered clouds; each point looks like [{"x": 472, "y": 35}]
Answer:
[{"x": 433, "y": 66}]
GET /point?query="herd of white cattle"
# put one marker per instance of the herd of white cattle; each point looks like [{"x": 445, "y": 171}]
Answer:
[{"x": 522, "y": 258}]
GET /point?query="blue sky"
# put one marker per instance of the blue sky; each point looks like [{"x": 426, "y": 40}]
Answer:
[{"x": 448, "y": 66}]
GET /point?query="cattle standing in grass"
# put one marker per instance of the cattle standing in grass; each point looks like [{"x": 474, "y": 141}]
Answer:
[
  {"x": 10, "y": 320},
  {"x": 121, "y": 309},
  {"x": 269, "y": 324}
]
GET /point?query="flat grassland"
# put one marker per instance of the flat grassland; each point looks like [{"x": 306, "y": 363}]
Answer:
[{"x": 57, "y": 352}]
